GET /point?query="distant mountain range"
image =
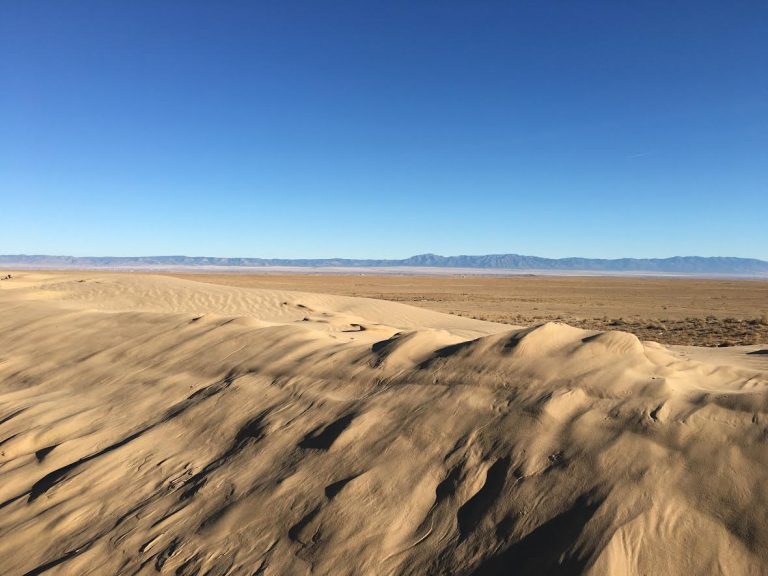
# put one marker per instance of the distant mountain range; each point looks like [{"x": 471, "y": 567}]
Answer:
[{"x": 674, "y": 265}]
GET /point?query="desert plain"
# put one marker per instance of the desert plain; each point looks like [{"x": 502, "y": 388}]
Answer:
[
  {"x": 671, "y": 310},
  {"x": 308, "y": 424}
]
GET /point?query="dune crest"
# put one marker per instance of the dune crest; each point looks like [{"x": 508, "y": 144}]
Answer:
[{"x": 150, "y": 425}]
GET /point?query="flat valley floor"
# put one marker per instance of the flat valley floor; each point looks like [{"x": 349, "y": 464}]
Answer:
[{"x": 685, "y": 311}]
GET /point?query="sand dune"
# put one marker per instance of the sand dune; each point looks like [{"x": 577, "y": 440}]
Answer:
[{"x": 152, "y": 424}]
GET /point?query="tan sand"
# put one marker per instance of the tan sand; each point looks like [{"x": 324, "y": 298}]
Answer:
[
  {"x": 152, "y": 424},
  {"x": 683, "y": 311}
]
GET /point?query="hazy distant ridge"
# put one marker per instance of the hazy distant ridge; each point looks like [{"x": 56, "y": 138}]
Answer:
[{"x": 676, "y": 264}]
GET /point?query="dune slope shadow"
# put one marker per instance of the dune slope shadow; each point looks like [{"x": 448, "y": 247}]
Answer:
[
  {"x": 549, "y": 548},
  {"x": 323, "y": 438},
  {"x": 472, "y": 512}
]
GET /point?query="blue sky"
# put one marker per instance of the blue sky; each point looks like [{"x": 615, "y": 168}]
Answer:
[{"x": 384, "y": 129}]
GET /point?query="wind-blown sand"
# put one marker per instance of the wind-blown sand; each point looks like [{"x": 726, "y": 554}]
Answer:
[
  {"x": 158, "y": 424},
  {"x": 673, "y": 311}
]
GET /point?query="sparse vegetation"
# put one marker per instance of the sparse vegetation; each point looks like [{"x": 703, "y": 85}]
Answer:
[
  {"x": 709, "y": 331},
  {"x": 671, "y": 311},
  {"x": 690, "y": 331}
]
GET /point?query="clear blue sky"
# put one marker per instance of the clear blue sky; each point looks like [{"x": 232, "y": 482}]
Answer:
[{"x": 384, "y": 129}]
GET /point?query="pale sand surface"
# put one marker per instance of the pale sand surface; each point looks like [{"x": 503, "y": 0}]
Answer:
[
  {"x": 689, "y": 311},
  {"x": 153, "y": 424}
]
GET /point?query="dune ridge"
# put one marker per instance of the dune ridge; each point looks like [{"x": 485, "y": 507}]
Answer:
[{"x": 151, "y": 424}]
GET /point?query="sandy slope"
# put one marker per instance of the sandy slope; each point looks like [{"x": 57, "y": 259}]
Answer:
[{"x": 153, "y": 424}]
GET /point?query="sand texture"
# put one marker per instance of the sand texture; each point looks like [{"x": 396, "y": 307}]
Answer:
[
  {"x": 160, "y": 425},
  {"x": 680, "y": 311}
]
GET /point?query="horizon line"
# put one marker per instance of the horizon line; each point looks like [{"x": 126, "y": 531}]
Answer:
[{"x": 386, "y": 259}]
